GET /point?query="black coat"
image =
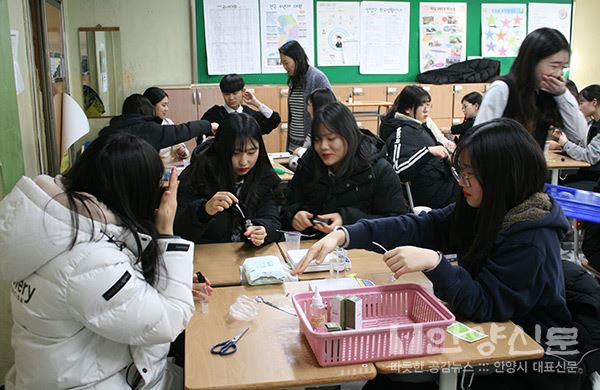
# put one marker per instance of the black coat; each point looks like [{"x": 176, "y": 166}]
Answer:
[
  {"x": 194, "y": 224},
  {"x": 150, "y": 129},
  {"x": 218, "y": 114},
  {"x": 431, "y": 181},
  {"x": 370, "y": 190},
  {"x": 462, "y": 127}
]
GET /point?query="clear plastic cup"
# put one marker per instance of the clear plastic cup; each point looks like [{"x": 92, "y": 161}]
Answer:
[
  {"x": 292, "y": 240},
  {"x": 337, "y": 264}
]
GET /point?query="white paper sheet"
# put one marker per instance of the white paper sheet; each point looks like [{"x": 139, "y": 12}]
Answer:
[
  {"x": 232, "y": 36},
  {"x": 338, "y": 32},
  {"x": 384, "y": 32},
  {"x": 502, "y": 29},
  {"x": 14, "y": 43},
  {"x": 282, "y": 21},
  {"x": 443, "y": 34},
  {"x": 74, "y": 122},
  {"x": 556, "y": 16}
]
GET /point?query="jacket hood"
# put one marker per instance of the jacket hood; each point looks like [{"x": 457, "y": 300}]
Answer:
[
  {"x": 539, "y": 210},
  {"x": 35, "y": 226},
  {"x": 389, "y": 126},
  {"x": 373, "y": 145},
  {"x": 127, "y": 120}
]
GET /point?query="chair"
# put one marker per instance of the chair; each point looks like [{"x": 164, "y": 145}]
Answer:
[{"x": 408, "y": 194}]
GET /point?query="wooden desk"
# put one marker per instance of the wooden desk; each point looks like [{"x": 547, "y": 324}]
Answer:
[
  {"x": 363, "y": 262},
  {"x": 220, "y": 263},
  {"x": 272, "y": 354},
  {"x": 556, "y": 162},
  {"x": 369, "y": 103},
  {"x": 287, "y": 174},
  {"x": 506, "y": 342}
]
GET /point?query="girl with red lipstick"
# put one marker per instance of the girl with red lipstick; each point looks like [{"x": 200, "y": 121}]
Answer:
[
  {"x": 506, "y": 232},
  {"x": 414, "y": 152},
  {"x": 342, "y": 178},
  {"x": 227, "y": 194}
]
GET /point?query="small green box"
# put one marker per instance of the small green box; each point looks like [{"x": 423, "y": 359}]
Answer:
[
  {"x": 353, "y": 312},
  {"x": 337, "y": 310},
  {"x": 332, "y": 326}
]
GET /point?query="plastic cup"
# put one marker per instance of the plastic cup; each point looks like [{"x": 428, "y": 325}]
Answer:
[{"x": 292, "y": 240}]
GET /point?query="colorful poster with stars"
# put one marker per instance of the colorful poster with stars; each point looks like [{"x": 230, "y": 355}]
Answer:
[
  {"x": 443, "y": 34},
  {"x": 503, "y": 28}
]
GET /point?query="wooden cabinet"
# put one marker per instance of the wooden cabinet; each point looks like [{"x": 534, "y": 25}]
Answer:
[
  {"x": 269, "y": 95},
  {"x": 189, "y": 103}
]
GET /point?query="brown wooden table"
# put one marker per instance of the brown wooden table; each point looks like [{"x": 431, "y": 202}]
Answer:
[
  {"x": 557, "y": 161},
  {"x": 220, "y": 263},
  {"x": 363, "y": 262},
  {"x": 272, "y": 354}
]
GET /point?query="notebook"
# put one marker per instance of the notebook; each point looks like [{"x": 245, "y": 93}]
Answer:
[{"x": 295, "y": 255}]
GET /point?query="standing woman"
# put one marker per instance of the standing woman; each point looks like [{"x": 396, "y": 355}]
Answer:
[
  {"x": 108, "y": 286},
  {"x": 344, "y": 177},
  {"x": 414, "y": 152},
  {"x": 160, "y": 101},
  {"x": 534, "y": 92},
  {"x": 303, "y": 79},
  {"x": 231, "y": 174}
]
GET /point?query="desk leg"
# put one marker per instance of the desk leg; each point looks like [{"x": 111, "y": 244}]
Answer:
[
  {"x": 554, "y": 179},
  {"x": 448, "y": 380}
]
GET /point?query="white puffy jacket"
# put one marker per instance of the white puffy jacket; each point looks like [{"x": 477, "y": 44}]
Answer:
[{"x": 86, "y": 317}]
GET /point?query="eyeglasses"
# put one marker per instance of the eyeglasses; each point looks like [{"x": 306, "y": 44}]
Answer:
[
  {"x": 461, "y": 178},
  {"x": 466, "y": 105}
]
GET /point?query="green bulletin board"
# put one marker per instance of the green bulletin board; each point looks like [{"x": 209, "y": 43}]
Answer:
[{"x": 350, "y": 74}]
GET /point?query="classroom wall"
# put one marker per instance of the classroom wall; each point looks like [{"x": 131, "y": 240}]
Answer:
[
  {"x": 155, "y": 41},
  {"x": 585, "y": 60}
]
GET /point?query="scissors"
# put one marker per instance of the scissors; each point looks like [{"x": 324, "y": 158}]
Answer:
[{"x": 227, "y": 347}]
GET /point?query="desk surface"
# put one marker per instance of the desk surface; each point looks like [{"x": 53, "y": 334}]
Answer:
[
  {"x": 363, "y": 262},
  {"x": 287, "y": 175},
  {"x": 272, "y": 354},
  {"x": 220, "y": 263},
  {"x": 505, "y": 342},
  {"x": 559, "y": 161},
  {"x": 369, "y": 103}
]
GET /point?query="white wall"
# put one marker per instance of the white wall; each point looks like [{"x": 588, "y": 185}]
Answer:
[
  {"x": 585, "y": 59},
  {"x": 155, "y": 41}
]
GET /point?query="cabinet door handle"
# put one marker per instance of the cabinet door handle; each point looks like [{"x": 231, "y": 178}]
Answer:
[
  {"x": 194, "y": 98},
  {"x": 199, "y": 99}
]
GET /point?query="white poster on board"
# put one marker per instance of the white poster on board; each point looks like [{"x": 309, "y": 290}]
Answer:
[
  {"x": 503, "y": 28},
  {"x": 556, "y": 16},
  {"x": 232, "y": 36},
  {"x": 443, "y": 35},
  {"x": 282, "y": 21},
  {"x": 338, "y": 26},
  {"x": 384, "y": 32}
]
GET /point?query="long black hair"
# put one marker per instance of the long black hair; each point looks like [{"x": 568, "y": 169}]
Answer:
[
  {"x": 212, "y": 169},
  {"x": 338, "y": 119},
  {"x": 295, "y": 51},
  {"x": 124, "y": 172},
  {"x": 408, "y": 100},
  {"x": 536, "y": 106},
  {"x": 510, "y": 166}
]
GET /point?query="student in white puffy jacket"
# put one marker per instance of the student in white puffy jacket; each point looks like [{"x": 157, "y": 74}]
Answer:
[{"x": 100, "y": 286}]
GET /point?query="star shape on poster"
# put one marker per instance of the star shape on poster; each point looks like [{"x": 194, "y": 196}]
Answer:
[
  {"x": 489, "y": 35},
  {"x": 500, "y": 35},
  {"x": 491, "y": 46},
  {"x": 517, "y": 20},
  {"x": 511, "y": 41},
  {"x": 491, "y": 20},
  {"x": 506, "y": 22},
  {"x": 502, "y": 51}
]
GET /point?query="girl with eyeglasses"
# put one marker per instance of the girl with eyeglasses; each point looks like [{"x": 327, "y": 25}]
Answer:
[
  {"x": 506, "y": 232},
  {"x": 470, "y": 106},
  {"x": 414, "y": 152}
]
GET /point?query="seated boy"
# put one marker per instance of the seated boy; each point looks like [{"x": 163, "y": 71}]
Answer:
[{"x": 234, "y": 94}]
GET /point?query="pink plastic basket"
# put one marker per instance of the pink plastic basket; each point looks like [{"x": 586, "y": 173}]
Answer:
[{"x": 399, "y": 321}]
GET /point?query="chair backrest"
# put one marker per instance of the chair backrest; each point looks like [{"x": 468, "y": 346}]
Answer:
[{"x": 408, "y": 196}]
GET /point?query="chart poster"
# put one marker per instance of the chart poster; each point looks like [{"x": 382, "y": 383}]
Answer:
[
  {"x": 232, "y": 49},
  {"x": 503, "y": 28},
  {"x": 282, "y": 21},
  {"x": 338, "y": 29},
  {"x": 443, "y": 35},
  {"x": 384, "y": 32},
  {"x": 556, "y": 16}
]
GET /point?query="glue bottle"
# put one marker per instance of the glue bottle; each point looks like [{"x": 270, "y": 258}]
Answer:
[{"x": 318, "y": 312}]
